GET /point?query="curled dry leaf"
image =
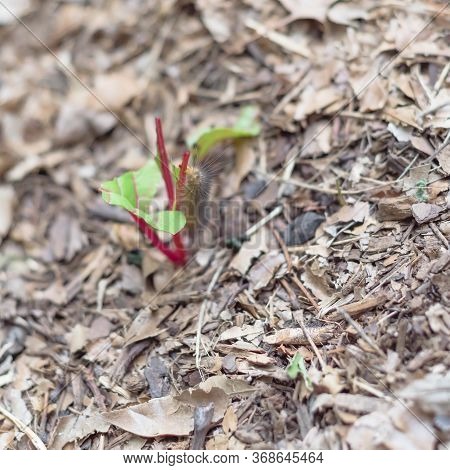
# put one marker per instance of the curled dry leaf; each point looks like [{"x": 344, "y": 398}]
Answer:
[{"x": 296, "y": 336}]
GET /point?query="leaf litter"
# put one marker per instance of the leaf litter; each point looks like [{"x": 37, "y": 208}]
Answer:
[{"x": 331, "y": 228}]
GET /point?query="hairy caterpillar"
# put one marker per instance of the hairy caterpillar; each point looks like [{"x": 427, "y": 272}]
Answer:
[{"x": 196, "y": 190}]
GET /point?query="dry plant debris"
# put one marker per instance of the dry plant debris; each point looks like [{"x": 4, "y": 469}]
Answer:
[{"x": 329, "y": 244}]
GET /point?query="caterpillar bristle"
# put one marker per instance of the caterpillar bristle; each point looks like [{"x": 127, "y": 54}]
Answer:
[{"x": 200, "y": 175}]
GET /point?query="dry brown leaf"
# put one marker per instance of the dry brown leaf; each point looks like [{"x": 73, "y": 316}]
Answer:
[
  {"x": 312, "y": 101},
  {"x": 245, "y": 331},
  {"x": 422, "y": 144},
  {"x": 77, "y": 338},
  {"x": 424, "y": 212},
  {"x": 265, "y": 269},
  {"x": 374, "y": 96},
  {"x": 243, "y": 164},
  {"x": 230, "y": 420},
  {"x": 75, "y": 427},
  {"x": 174, "y": 416},
  {"x": 406, "y": 115},
  {"x": 443, "y": 158},
  {"x": 358, "y": 212},
  {"x": 145, "y": 325},
  {"x": 317, "y": 284},
  {"x": 249, "y": 251}
]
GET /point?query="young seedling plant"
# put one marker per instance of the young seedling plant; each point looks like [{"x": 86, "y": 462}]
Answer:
[{"x": 135, "y": 190}]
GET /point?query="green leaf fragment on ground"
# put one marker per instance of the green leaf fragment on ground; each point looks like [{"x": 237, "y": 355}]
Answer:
[
  {"x": 245, "y": 126},
  {"x": 297, "y": 366}
]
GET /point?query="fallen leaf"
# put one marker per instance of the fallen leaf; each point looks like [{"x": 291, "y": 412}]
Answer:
[
  {"x": 77, "y": 338},
  {"x": 265, "y": 269},
  {"x": 249, "y": 251},
  {"x": 443, "y": 158},
  {"x": 243, "y": 164},
  {"x": 230, "y": 421},
  {"x": 358, "y": 212},
  {"x": 424, "y": 212},
  {"x": 145, "y": 325},
  {"x": 174, "y": 416},
  {"x": 75, "y": 427}
]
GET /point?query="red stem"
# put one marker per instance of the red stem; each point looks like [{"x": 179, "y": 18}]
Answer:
[
  {"x": 176, "y": 257},
  {"x": 182, "y": 175},
  {"x": 164, "y": 163},
  {"x": 177, "y": 238},
  {"x": 180, "y": 252}
]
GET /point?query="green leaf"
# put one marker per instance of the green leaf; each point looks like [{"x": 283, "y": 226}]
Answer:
[
  {"x": 245, "y": 126},
  {"x": 169, "y": 221},
  {"x": 297, "y": 366},
  {"x": 134, "y": 191}
]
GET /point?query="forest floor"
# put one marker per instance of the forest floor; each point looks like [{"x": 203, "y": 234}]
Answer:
[{"x": 318, "y": 313}]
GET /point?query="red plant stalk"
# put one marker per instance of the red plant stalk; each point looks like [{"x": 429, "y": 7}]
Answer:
[
  {"x": 182, "y": 174},
  {"x": 164, "y": 163},
  {"x": 168, "y": 180},
  {"x": 176, "y": 257},
  {"x": 177, "y": 238}
]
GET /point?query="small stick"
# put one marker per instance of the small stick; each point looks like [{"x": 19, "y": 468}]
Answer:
[
  {"x": 283, "y": 248},
  {"x": 291, "y": 293},
  {"x": 360, "y": 331},
  {"x": 263, "y": 221},
  {"x": 299, "y": 318},
  {"x": 438, "y": 234},
  {"x": 201, "y": 316},
  {"x": 34, "y": 438},
  {"x": 441, "y": 79},
  {"x": 305, "y": 291}
]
